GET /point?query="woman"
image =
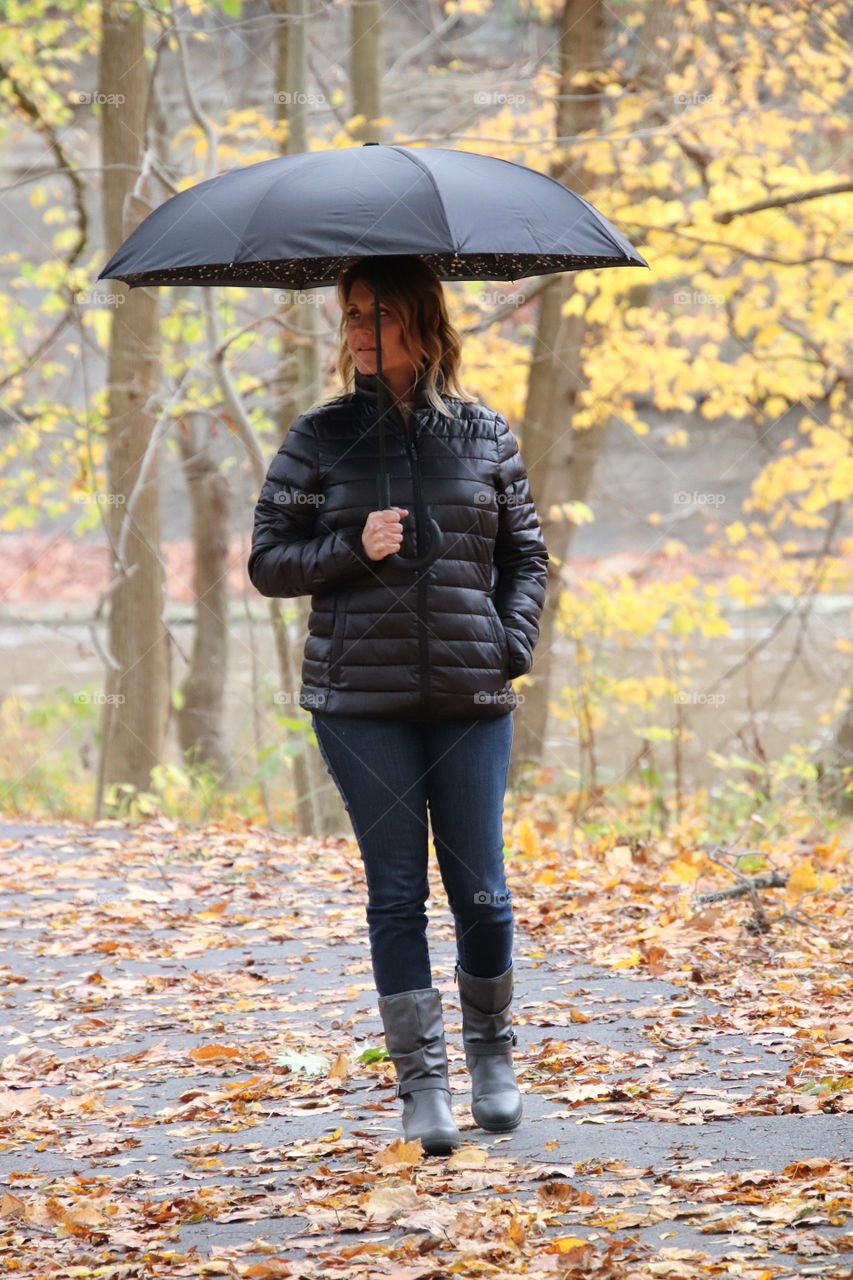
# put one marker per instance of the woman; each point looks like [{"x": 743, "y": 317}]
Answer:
[{"x": 407, "y": 670}]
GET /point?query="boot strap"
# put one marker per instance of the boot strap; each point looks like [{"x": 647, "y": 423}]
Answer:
[
  {"x": 485, "y": 1048},
  {"x": 414, "y": 1086}
]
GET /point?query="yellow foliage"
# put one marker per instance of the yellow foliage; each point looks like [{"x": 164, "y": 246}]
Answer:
[
  {"x": 527, "y": 837},
  {"x": 804, "y": 879}
]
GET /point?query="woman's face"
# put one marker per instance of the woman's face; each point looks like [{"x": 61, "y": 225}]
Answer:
[{"x": 361, "y": 337}]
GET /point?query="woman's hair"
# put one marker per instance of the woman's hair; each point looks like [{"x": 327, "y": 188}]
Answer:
[{"x": 412, "y": 291}]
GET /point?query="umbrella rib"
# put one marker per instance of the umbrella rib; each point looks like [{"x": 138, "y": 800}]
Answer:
[{"x": 410, "y": 155}]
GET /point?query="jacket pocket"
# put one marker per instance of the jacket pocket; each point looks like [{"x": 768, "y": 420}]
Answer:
[
  {"x": 500, "y": 635},
  {"x": 337, "y": 642}
]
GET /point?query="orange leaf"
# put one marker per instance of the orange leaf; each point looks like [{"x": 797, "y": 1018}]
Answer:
[
  {"x": 400, "y": 1152},
  {"x": 339, "y": 1068},
  {"x": 12, "y": 1206},
  {"x": 210, "y": 1052}
]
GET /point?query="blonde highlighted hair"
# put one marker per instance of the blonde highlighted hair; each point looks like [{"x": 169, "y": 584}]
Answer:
[{"x": 413, "y": 293}]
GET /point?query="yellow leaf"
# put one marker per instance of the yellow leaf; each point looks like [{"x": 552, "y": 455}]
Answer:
[
  {"x": 681, "y": 872},
  {"x": 575, "y": 305},
  {"x": 468, "y": 1158},
  {"x": 563, "y": 1244},
  {"x": 802, "y": 879},
  {"x": 527, "y": 837}
]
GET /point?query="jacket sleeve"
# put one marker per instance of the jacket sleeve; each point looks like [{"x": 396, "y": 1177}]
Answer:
[
  {"x": 521, "y": 556},
  {"x": 293, "y": 552}
]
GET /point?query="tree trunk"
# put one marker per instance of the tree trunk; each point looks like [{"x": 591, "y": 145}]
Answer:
[
  {"x": 200, "y": 714},
  {"x": 137, "y": 706},
  {"x": 319, "y": 809},
  {"x": 560, "y": 461},
  {"x": 836, "y": 783},
  {"x": 366, "y": 68}
]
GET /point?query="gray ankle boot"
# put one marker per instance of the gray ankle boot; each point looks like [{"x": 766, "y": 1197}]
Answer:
[
  {"x": 414, "y": 1038},
  {"x": 489, "y": 1039}
]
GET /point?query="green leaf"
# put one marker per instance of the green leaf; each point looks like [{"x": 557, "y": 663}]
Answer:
[{"x": 374, "y": 1055}]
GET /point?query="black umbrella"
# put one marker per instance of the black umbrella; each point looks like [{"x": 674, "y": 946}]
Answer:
[{"x": 299, "y": 220}]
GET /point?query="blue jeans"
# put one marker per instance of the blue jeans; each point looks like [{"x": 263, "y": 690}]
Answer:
[{"x": 388, "y": 773}]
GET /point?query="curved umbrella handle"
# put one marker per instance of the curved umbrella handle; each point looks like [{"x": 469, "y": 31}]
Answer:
[{"x": 428, "y": 556}]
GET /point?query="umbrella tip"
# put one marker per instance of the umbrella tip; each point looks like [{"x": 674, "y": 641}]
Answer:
[{"x": 370, "y": 144}]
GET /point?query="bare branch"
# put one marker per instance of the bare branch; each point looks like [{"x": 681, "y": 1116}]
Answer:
[{"x": 780, "y": 202}]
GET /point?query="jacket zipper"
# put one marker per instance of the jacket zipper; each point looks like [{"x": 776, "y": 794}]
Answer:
[{"x": 420, "y": 574}]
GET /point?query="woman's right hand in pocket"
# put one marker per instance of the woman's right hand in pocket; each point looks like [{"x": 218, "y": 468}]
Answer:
[{"x": 383, "y": 532}]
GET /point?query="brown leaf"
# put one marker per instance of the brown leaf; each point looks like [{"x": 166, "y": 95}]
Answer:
[
  {"x": 563, "y": 1194},
  {"x": 807, "y": 1168},
  {"x": 18, "y": 1101},
  {"x": 387, "y": 1203},
  {"x": 401, "y": 1152}
]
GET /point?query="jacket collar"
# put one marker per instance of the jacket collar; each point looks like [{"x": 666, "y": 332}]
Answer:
[{"x": 367, "y": 391}]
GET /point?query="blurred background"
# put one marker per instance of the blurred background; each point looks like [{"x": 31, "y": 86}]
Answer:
[{"x": 686, "y": 429}]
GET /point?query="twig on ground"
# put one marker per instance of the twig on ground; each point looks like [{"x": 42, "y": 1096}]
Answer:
[
  {"x": 773, "y": 880},
  {"x": 747, "y": 885}
]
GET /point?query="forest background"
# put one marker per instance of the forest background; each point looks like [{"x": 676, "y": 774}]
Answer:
[{"x": 686, "y": 429}]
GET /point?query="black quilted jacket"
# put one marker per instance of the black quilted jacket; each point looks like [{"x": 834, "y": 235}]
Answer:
[{"x": 439, "y": 642}]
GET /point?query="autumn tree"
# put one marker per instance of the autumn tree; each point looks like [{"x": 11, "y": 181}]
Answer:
[{"x": 136, "y": 710}]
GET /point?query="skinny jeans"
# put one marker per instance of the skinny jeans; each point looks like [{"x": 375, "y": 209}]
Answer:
[{"x": 393, "y": 775}]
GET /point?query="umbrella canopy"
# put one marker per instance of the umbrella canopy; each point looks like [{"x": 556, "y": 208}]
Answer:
[{"x": 299, "y": 220}]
